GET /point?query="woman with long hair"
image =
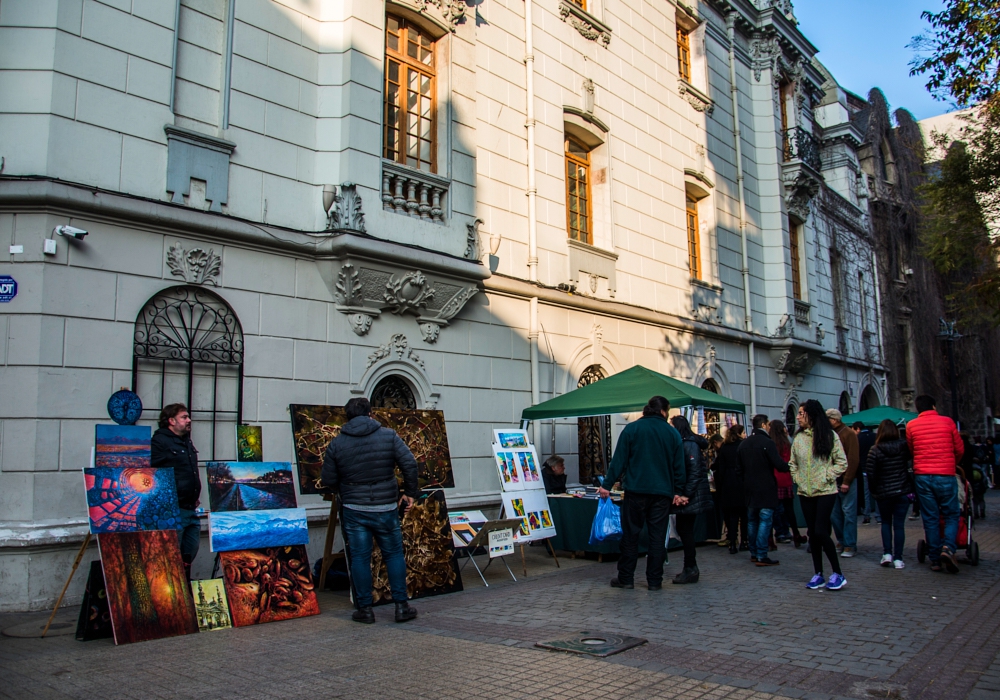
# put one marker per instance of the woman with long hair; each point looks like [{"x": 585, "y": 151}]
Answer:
[
  {"x": 786, "y": 487},
  {"x": 697, "y": 492},
  {"x": 729, "y": 487},
  {"x": 891, "y": 484},
  {"x": 817, "y": 460}
]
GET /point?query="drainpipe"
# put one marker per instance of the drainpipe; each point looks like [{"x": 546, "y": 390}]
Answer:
[
  {"x": 747, "y": 317},
  {"x": 533, "y": 354},
  {"x": 529, "y": 65}
]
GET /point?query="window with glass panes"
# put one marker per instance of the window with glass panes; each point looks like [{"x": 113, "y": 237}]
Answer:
[
  {"x": 793, "y": 239},
  {"x": 410, "y": 118},
  {"x": 582, "y": 4},
  {"x": 578, "y": 201},
  {"x": 684, "y": 53},
  {"x": 694, "y": 242}
]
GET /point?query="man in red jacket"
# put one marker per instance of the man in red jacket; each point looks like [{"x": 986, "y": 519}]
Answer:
[{"x": 936, "y": 447}]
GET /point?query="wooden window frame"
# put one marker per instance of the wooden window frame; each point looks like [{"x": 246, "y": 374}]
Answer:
[
  {"x": 584, "y": 162},
  {"x": 794, "y": 245},
  {"x": 582, "y": 4},
  {"x": 693, "y": 236},
  {"x": 408, "y": 64},
  {"x": 684, "y": 53}
]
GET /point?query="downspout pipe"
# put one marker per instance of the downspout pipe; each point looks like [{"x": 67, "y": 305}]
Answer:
[
  {"x": 532, "y": 191},
  {"x": 533, "y": 354},
  {"x": 734, "y": 92}
]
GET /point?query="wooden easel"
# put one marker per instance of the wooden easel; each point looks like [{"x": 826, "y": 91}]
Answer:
[
  {"x": 331, "y": 531},
  {"x": 76, "y": 565}
]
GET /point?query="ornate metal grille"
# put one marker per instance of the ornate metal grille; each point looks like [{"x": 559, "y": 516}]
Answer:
[
  {"x": 799, "y": 144},
  {"x": 188, "y": 346},
  {"x": 593, "y": 434},
  {"x": 393, "y": 392}
]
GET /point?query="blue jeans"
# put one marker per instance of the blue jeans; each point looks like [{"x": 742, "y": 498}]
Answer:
[
  {"x": 781, "y": 521},
  {"x": 938, "y": 496},
  {"x": 759, "y": 529},
  {"x": 893, "y": 512},
  {"x": 190, "y": 535},
  {"x": 359, "y": 529},
  {"x": 845, "y": 517}
]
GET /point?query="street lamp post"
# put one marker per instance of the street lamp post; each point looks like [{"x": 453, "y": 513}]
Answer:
[{"x": 948, "y": 333}]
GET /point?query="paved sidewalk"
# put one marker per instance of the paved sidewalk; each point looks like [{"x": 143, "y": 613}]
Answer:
[{"x": 742, "y": 632}]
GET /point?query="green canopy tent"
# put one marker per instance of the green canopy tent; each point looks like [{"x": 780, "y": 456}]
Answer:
[
  {"x": 873, "y": 416},
  {"x": 628, "y": 392}
]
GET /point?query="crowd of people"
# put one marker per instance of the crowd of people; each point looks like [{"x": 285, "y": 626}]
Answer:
[{"x": 838, "y": 473}]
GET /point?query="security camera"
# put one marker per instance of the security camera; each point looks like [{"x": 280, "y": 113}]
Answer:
[{"x": 71, "y": 232}]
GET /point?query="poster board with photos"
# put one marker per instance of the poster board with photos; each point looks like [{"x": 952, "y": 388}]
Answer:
[
  {"x": 532, "y": 509},
  {"x": 465, "y": 525}
]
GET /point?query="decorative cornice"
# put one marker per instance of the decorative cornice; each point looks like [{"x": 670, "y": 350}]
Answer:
[
  {"x": 587, "y": 117},
  {"x": 589, "y": 26},
  {"x": 700, "y": 176},
  {"x": 695, "y": 97}
]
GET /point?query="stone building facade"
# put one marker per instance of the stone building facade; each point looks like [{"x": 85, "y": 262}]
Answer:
[{"x": 464, "y": 206}]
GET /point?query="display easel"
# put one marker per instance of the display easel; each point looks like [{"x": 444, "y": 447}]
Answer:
[
  {"x": 482, "y": 539},
  {"x": 76, "y": 565},
  {"x": 331, "y": 532}
]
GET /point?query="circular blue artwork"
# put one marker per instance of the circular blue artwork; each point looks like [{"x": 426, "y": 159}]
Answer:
[{"x": 124, "y": 407}]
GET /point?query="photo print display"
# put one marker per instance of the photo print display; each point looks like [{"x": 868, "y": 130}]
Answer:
[
  {"x": 122, "y": 446},
  {"x": 234, "y": 486},
  {"x": 532, "y": 508},
  {"x": 130, "y": 499},
  {"x": 211, "y": 605},
  {"x": 528, "y": 464},
  {"x": 510, "y": 476},
  {"x": 257, "y": 529},
  {"x": 424, "y": 432},
  {"x": 249, "y": 443},
  {"x": 147, "y": 589},
  {"x": 268, "y": 585},
  {"x": 465, "y": 525},
  {"x": 511, "y": 439}
]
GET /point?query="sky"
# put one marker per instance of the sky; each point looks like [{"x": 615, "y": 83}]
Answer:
[{"x": 864, "y": 44}]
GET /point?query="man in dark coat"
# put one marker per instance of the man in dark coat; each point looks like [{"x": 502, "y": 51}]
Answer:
[
  {"x": 649, "y": 462},
  {"x": 866, "y": 440},
  {"x": 758, "y": 459},
  {"x": 360, "y": 464},
  {"x": 171, "y": 448}
]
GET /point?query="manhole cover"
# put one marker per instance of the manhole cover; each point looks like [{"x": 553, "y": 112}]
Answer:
[
  {"x": 28, "y": 630},
  {"x": 593, "y": 643}
]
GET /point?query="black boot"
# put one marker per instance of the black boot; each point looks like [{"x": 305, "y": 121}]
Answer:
[
  {"x": 364, "y": 615},
  {"x": 733, "y": 548},
  {"x": 689, "y": 575},
  {"x": 404, "y": 613}
]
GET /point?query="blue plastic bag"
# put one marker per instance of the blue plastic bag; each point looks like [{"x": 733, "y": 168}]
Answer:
[{"x": 607, "y": 525}]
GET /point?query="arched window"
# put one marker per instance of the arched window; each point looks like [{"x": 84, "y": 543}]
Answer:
[
  {"x": 791, "y": 418},
  {"x": 410, "y": 97},
  {"x": 713, "y": 421},
  {"x": 188, "y": 348},
  {"x": 869, "y": 398},
  {"x": 393, "y": 392},
  {"x": 594, "y": 434},
  {"x": 845, "y": 403}
]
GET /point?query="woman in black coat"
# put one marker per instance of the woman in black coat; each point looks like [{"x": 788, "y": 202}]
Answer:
[
  {"x": 697, "y": 492},
  {"x": 888, "y": 470},
  {"x": 729, "y": 488}
]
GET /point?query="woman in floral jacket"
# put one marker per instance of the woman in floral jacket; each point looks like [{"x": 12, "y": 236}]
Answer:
[{"x": 817, "y": 460}]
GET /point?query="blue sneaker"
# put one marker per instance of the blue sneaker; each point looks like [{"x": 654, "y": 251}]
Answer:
[
  {"x": 816, "y": 581},
  {"x": 836, "y": 582}
]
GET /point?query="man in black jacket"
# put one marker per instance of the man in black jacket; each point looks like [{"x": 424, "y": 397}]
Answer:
[
  {"x": 171, "y": 447},
  {"x": 360, "y": 464},
  {"x": 758, "y": 458}
]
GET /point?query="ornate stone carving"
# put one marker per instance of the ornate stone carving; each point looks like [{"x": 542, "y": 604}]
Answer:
[
  {"x": 473, "y": 244},
  {"x": 361, "y": 322},
  {"x": 764, "y": 53},
  {"x": 195, "y": 266},
  {"x": 430, "y": 326},
  {"x": 695, "y": 97},
  {"x": 430, "y": 331},
  {"x": 585, "y": 23},
  {"x": 398, "y": 345},
  {"x": 349, "y": 286},
  {"x": 452, "y": 10},
  {"x": 409, "y": 292},
  {"x": 346, "y": 213}
]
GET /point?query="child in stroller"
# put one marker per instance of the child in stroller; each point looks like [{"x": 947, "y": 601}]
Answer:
[{"x": 965, "y": 523}]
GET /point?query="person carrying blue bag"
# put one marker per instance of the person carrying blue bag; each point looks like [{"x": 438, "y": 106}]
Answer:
[{"x": 649, "y": 463}]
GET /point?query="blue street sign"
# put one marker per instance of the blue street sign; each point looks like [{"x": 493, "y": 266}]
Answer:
[{"x": 8, "y": 288}]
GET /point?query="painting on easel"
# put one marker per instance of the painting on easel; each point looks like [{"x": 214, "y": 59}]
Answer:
[{"x": 424, "y": 432}]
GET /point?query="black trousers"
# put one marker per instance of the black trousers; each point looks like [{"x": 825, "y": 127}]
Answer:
[
  {"x": 653, "y": 511},
  {"x": 685, "y": 529},
  {"x": 736, "y": 524},
  {"x": 817, "y": 512}
]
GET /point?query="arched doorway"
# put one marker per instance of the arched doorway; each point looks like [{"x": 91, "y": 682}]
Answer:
[
  {"x": 845, "y": 404},
  {"x": 713, "y": 420},
  {"x": 869, "y": 398},
  {"x": 593, "y": 434},
  {"x": 393, "y": 392},
  {"x": 791, "y": 422},
  {"x": 188, "y": 348}
]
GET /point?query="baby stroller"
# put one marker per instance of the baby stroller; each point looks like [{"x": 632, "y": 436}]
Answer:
[{"x": 965, "y": 526}]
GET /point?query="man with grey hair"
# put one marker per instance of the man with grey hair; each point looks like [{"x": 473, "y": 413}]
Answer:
[{"x": 845, "y": 510}]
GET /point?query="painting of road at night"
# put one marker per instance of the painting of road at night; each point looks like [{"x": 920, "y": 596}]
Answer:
[
  {"x": 131, "y": 500},
  {"x": 235, "y": 486}
]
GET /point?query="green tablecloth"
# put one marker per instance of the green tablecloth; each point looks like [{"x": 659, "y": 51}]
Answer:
[{"x": 573, "y": 517}]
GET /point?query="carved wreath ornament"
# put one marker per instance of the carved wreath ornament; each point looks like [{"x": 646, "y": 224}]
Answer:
[
  {"x": 408, "y": 293},
  {"x": 195, "y": 266}
]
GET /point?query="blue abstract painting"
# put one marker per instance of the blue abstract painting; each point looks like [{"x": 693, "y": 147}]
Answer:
[
  {"x": 122, "y": 446},
  {"x": 130, "y": 499},
  {"x": 257, "y": 529}
]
